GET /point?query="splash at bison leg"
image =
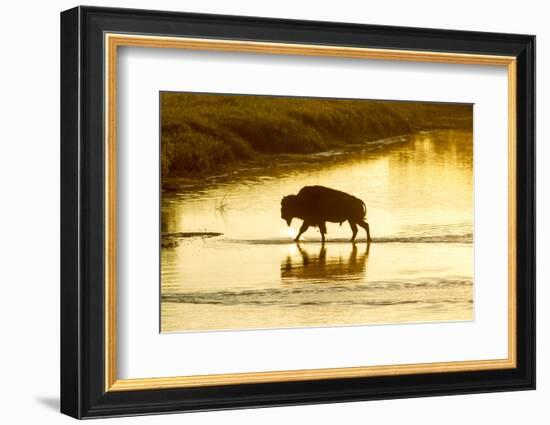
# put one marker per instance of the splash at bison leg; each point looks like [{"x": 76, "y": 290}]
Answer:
[
  {"x": 304, "y": 227},
  {"x": 366, "y": 226},
  {"x": 353, "y": 229},
  {"x": 323, "y": 230}
]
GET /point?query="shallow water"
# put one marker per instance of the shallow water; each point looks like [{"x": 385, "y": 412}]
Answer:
[{"x": 419, "y": 195}]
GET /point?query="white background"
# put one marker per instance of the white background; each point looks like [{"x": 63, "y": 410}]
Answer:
[
  {"x": 145, "y": 72},
  {"x": 29, "y": 229}
]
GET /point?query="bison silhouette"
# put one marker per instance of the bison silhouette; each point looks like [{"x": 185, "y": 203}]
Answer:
[{"x": 316, "y": 205}]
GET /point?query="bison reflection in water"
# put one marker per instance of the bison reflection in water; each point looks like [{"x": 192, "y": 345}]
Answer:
[
  {"x": 319, "y": 267},
  {"x": 318, "y": 204}
]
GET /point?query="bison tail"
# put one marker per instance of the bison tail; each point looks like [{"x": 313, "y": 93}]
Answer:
[{"x": 364, "y": 209}]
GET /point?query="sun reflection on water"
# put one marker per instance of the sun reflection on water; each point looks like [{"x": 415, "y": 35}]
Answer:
[{"x": 290, "y": 232}]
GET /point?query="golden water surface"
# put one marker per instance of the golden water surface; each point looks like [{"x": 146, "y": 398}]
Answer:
[{"x": 419, "y": 194}]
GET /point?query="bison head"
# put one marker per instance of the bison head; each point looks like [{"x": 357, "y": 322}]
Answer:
[{"x": 289, "y": 208}]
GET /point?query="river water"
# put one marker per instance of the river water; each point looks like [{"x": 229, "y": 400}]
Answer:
[{"x": 419, "y": 195}]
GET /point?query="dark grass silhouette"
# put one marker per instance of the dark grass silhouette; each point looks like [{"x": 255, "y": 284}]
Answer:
[{"x": 203, "y": 134}]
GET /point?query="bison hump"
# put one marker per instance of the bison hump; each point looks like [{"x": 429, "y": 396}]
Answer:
[
  {"x": 323, "y": 191},
  {"x": 320, "y": 203}
]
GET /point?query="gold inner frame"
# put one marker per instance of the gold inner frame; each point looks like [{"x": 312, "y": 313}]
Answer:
[{"x": 113, "y": 41}]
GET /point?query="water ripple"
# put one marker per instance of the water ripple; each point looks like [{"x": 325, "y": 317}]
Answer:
[{"x": 322, "y": 294}]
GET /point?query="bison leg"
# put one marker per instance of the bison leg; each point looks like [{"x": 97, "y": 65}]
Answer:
[
  {"x": 305, "y": 226},
  {"x": 365, "y": 226},
  {"x": 353, "y": 229},
  {"x": 323, "y": 230}
]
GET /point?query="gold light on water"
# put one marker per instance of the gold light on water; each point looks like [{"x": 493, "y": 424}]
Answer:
[
  {"x": 291, "y": 232},
  {"x": 292, "y": 249}
]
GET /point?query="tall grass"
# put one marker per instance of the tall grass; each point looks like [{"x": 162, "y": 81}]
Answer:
[{"x": 203, "y": 133}]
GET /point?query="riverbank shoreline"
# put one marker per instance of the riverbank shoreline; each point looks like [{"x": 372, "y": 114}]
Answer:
[
  {"x": 273, "y": 165},
  {"x": 206, "y": 133}
]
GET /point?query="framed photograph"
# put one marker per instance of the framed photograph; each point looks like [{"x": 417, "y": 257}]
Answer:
[{"x": 261, "y": 212}]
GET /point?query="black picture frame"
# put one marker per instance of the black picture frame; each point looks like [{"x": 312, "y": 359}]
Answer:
[{"x": 83, "y": 392}]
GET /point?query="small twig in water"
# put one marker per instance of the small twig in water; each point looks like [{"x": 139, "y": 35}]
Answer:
[{"x": 221, "y": 206}]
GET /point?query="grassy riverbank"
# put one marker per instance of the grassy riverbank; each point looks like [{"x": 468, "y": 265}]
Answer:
[{"x": 203, "y": 135}]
